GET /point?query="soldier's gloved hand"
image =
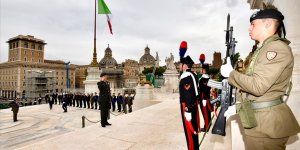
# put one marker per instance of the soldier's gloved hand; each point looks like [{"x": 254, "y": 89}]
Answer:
[
  {"x": 188, "y": 116},
  {"x": 230, "y": 111},
  {"x": 204, "y": 103},
  {"x": 226, "y": 68}
]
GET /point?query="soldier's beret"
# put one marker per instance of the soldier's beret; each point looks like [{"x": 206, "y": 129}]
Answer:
[
  {"x": 187, "y": 60},
  {"x": 103, "y": 74},
  {"x": 267, "y": 13}
]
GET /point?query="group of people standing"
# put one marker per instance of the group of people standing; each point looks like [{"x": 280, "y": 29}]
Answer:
[
  {"x": 89, "y": 101},
  {"x": 267, "y": 120},
  {"x": 80, "y": 100},
  {"x": 108, "y": 101},
  {"x": 123, "y": 103},
  {"x": 194, "y": 92}
]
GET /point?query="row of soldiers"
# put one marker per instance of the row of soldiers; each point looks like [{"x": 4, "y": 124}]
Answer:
[
  {"x": 122, "y": 102},
  {"x": 90, "y": 101}
]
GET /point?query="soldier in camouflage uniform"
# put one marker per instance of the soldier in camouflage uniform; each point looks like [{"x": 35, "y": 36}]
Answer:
[{"x": 264, "y": 84}]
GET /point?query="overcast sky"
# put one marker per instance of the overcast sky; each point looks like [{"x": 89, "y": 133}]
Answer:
[{"x": 67, "y": 27}]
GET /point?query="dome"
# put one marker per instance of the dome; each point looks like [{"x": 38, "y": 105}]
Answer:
[
  {"x": 108, "y": 61},
  {"x": 147, "y": 58}
]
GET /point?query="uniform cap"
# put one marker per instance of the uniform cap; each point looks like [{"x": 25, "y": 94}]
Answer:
[
  {"x": 182, "y": 49},
  {"x": 103, "y": 74},
  {"x": 267, "y": 13},
  {"x": 187, "y": 60}
]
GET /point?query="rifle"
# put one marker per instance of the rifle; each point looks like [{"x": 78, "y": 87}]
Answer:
[{"x": 225, "y": 97}]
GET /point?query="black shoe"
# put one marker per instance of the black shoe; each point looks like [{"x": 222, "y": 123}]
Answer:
[
  {"x": 108, "y": 124},
  {"x": 103, "y": 125}
]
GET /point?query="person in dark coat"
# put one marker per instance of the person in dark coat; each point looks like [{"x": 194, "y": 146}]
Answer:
[
  {"x": 15, "y": 109},
  {"x": 40, "y": 99},
  {"x": 125, "y": 102},
  {"x": 96, "y": 100},
  {"x": 188, "y": 93},
  {"x": 60, "y": 97},
  {"x": 92, "y": 100},
  {"x": 113, "y": 102},
  {"x": 87, "y": 99},
  {"x": 105, "y": 99},
  {"x": 65, "y": 103},
  {"x": 204, "y": 98},
  {"x": 47, "y": 98},
  {"x": 80, "y": 99},
  {"x": 51, "y": 102},
  {"x": 130, "y": 102},
  {"x": 119, "y": 102}
]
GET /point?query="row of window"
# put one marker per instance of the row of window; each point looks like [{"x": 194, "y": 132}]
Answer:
[
  {"x": 8, "y": 72},
  {"x": 32, "y": 53},
  {"x": 15, "y": 77},
  {"x": 56, "y": 73},
  {"x": 12, "y": 53},
  {"x": 25, "y": 45},
  {"x": 8, "y": 83},
  {"x": 8, "y": 77},
  {"x": 130, "y": 74},
  {"x": 32, "y": 60},
  {"x": 24, "y": 83}
]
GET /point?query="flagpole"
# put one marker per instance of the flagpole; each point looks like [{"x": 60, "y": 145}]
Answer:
[{"x": 94, "y": 62}]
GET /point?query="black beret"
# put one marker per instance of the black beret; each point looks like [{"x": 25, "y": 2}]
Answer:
[
  {"x": 267, "y": 13},
  {"x": 187, "y": 60},
  {"x": 103, "y": 74}
]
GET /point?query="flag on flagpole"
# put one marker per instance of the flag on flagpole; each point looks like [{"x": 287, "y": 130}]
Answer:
[
  {"x": 109, "y": 24},
  {"x": 103, "y": 9}
]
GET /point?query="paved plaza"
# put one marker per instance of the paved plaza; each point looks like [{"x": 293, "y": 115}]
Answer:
[{"x": 154, "y": 124}]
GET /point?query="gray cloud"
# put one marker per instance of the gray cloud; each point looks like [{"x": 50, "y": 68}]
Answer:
[{"x": 67, "y": 27}]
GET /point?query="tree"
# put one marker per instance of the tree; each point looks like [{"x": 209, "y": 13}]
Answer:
[
  {"x": 235, "y": 58},
  {"x": 159, "y": 71}
]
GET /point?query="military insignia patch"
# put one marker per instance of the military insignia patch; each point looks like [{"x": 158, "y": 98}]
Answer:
[
  {"x": 187, "y": 86},
  {"x": 271, "y": 55}
]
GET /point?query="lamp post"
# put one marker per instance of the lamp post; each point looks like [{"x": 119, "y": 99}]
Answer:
[{"x": 67, "y": 76}]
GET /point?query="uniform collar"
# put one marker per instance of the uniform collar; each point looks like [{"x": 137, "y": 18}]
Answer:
[{"x": 274, "y": 37}]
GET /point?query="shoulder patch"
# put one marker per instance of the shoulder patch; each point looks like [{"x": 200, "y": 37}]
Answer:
[{"x": 271, "y": 55}]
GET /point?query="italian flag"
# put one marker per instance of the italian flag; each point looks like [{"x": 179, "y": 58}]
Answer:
[{"x": 103, "y": 9}]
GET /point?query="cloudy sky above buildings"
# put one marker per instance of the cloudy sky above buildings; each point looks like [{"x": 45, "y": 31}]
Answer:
[{"x": 67, "y": 27}]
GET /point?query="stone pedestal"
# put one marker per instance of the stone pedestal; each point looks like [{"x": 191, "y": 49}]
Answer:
[
  {"x": 144, "y": 92},
  {"x": 171, "y": 80},
  {"x": 91, "y": 80}
]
